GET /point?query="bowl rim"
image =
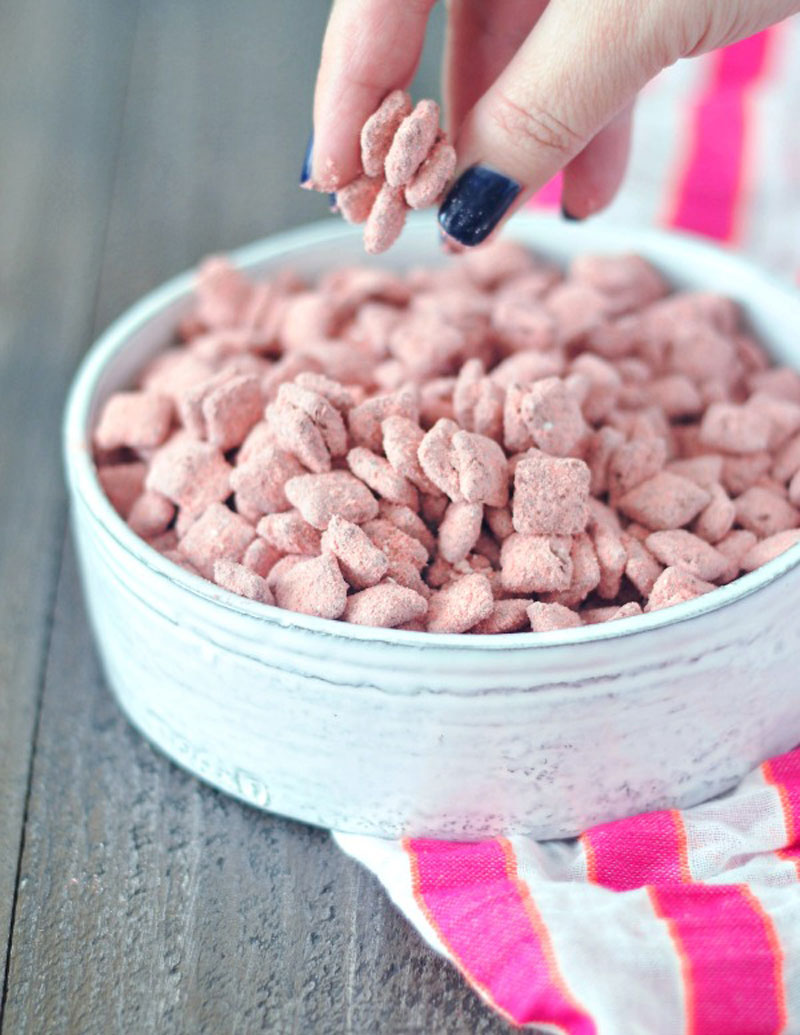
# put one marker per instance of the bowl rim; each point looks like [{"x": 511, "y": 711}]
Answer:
[{"x": 84, "y": 484}]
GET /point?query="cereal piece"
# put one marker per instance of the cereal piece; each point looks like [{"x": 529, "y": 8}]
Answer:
[
  {"x": 713, "y": 523},
  {"x": 319, "y": 496},
  {"x": 261, "y": 557},
  {"x": 735, "y": 429},
  {"x": 138, "y": 420},
  {"x": 676, "y": 586},
  {"x": 677, "y": 395},
  {"x": 764, "y": 512},
  {"x": 366, "y": 420},
  {"x": 295, "y": 432},
  {"x": 633, "y": 463},
  {"x": 629, "y": 610},
  {"x": 783, "y": 415},
  {"x": 173, "y": 372},
  {"x": 222, "y": 292},
  {"x": 217, "y": 534},
  {"x": 169, "y": 541},
  {"x": 551, "y": 496},
  {"x": 664, "y": 501},
  {"x": 780, "y": 382},
  {"x": 190, "y": 473},
  {"x": 231, "y": 409},
  {"x": 360, "y": 561},
  {"x": 787, "y": 460},
  {"x": 151, "y": 514},
  {"x": 308, "y": 316},
  {"x": 482, "y": 469},
  {"x": 734, "y": 547},
  {"x": 641, "y": 568},
  {"x": 478, "y": 401},
  {"x": 612, "y": 559},
  {"x": 259, "y": 482},
  {"x": 322, "y": 412},
  {"x": 386, "y": 219},
  {"x": 585, "y": 573},
  {"x": 381, "y": 477},
  {"x": 289, "y": 532},
  {"x": 550, "y": 617},
  {"x": 399, "y": 547},
  {"x": 407, "y": 521},
  {"x": 600, "y": 447},
  {"x": 578, "y": 311},
  {"x": 509, "y": 615},
  {"x": 553, "y": 417},
  {"x": 378, "y": 131},
  {"x": 704, "y": 471},
  {"x": 524, "y": 367},
  {"x": 499, "y": 520},
  {"x": 627, "y": 282},
  {"x": 287, "y": 369},
  {"x": 123, "y": 484},
  {"x": 460, "y": 605},
  {"x": 343, "y": 397},
  {"x": 386, "y": 606},
  {"x": 432, "y": 507},
  {"x": 436, "y": 457},
  {"x": 432, "y": 177},
  {"x": 238, "y": 579},
  {"x": 281, "y": 567},
  {"x": 411, "y": 144},
  {"x": 536, "y": 563},
  {"x": 355, "y": 200},
  {"x": 681, "y": 549},
  {"x": 521, "y": 324},
  {"x": 740, "y": 473},
  {"x": 459, "y": 530},
  {"x": 770, "y": 548},
  {"x": 313, "y": 587},
  {"x": 604, "y": 385}
]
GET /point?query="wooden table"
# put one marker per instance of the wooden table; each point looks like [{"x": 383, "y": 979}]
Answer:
[{"x": 139, "y": 135}]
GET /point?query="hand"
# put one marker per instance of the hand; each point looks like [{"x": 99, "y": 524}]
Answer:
[{"x": 531, "y": 87}]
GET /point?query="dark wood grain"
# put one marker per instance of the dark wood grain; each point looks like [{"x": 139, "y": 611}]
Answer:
[
  {"x": 61, "y": 121},
  {"x": 137, "y": 137}
]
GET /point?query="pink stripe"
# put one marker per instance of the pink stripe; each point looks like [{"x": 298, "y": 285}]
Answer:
[
  {"x": 629, "y": 853},
  {"x": 710, "y": 191},
  {"x": 468, "y": 896},
  {"x": 785, "y": 771},
  {"x": 734, "y": 966}
]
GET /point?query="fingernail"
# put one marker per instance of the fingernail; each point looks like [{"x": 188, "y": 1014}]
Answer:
[
  {"x": 476, "y": 203},
  {"x": 332, "y": 203},
  {"x": 305, "y": 172},
  {"x": 566, "y": 214}
]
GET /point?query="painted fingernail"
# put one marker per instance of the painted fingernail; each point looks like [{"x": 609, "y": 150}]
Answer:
[
  {"x": 566, "y": 214},
  {"x": 476, "y": 203},
  {"x": 332, "y": 203},
  {"x": 305, "y": 172}
]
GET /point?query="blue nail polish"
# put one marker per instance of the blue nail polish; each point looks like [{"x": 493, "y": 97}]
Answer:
[
  {"x": 476, "y": 203},
  {"x": 333, "y": 204},
  {"x": 568, "y": 216},
  {"x": 305, "y": 172}
]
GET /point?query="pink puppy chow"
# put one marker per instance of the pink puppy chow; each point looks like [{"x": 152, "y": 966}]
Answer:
[
  {"x": 551, "y": 496},
  {"x": 735, "y": 429},
  {"x": 770, "y": 548},
  {"x": 508, "y": 616},
  {"x": 322, "y": 412},
  {"x": 536, "y": 563},
  {"x": 217, "y": 534},
  {"x": 360, "y": 561},
  {"x": 718, "y": 517},
  {"x": 550, "y": 617},
  {"x": 412, "y": 143},
  {"x": 289, "y": 532},
  {"x": 313, "y": 587},
  {"x": 319, "y": 496},
  {"x": 138, "y": 420},
  {"x": 151, "y": 514},
  {"x": 365, "y": 420},
  {"x": 407, "y": 521},
  {"x": 123, "y": 484},
  {"x": 261, "y": 557},
  {"x": 585, "y": 573},
  {"x": 612, "y": 559},
  {"x": 355, "y": 201},
  {"x": 296, "y": 433},
  {"x": 259, "y": 482},
  {"x": 461, "y": 605},
  {"x": 381, "y": 477},
  {"x": 676, "y": 586},
  {"x": 231, "y": 409},
  {"x": 400, "y": 549},
  {"x": 664, "y": 501},
  {"x": 241, "y": 580},
  {"x": 191, "y": 474},
  {"x": 459, "y": 530},
  {"x": 764, "y": 512},
  {"x": 553, "y": 417},
  {"x": 222, "y": 293},
  {"x": 633, "y": 463},
  {"x": 627, "y": 282},
  {"x": 379, "y": 130},
  {"x": 432, "y": 176},
  {"x": 680, "y": 549},
  {"x": 641, "y": 568},
  {"x": 436, "y": 457},
  {"x": 386, "y": 220},
  {"x": 386, "y": 605},
  {"x": 482, "y": 468}
]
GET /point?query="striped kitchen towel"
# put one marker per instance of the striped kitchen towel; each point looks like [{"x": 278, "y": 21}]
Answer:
[{"x": 671, "y": 923}]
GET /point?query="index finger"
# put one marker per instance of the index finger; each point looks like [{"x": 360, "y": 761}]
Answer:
[{"x": 370, "y": 48}]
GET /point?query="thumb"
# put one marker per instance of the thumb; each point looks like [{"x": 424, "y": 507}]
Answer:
[{"x": 579, "y": 67}]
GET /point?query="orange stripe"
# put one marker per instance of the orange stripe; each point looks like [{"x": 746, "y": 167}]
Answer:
[
  {"x": 538, "y": 925},
  {"x": 777, "y": 954},
  {"x": 682, "y": 846},
  {"x": 455, "y": 958},
  {"x": 788, "y": 816},
  {"x": 686, "y": 967},
  {"x": 591, "y": 858}
]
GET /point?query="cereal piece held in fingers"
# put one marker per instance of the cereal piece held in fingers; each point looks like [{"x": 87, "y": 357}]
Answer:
[{"x": 379, "y": 130}]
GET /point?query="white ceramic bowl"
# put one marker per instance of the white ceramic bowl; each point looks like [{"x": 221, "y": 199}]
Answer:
[{"x": 392, "y": 733}]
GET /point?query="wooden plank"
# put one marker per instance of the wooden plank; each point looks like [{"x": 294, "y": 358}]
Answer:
[
  {"x": 150, "y": 902},
  {"x": 56, "y": 168}
]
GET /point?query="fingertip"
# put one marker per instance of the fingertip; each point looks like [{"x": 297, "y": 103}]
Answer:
[{"x": 593, "y": 177}]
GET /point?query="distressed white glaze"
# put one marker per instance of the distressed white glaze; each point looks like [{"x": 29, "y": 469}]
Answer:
[{"x": 390, "y": 733}]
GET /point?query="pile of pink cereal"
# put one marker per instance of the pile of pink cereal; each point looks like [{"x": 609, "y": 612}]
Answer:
[
  {"x": 485, "y": 447},
  {"x": 407, "y": 163}
]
